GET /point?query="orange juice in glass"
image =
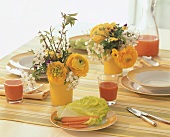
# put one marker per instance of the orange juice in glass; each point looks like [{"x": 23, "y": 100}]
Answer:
[
  {"x": 13, "y": 90},
  {"x": 148, "y": 45},
  {"x": 108, "y": 87}
]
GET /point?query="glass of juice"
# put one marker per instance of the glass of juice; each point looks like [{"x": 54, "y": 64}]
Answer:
[
  {"x": 108, "y": 87},
  {"x": 13, "y": 90}
]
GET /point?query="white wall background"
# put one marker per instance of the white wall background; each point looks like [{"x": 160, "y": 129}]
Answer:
[{"x": 20, "y": 20}]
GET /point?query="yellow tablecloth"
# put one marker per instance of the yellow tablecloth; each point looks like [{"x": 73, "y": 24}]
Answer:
[{"x": 39, "y": 112}]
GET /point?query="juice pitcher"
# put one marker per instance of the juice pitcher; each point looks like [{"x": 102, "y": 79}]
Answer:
[{"x": 148, "y": 42}]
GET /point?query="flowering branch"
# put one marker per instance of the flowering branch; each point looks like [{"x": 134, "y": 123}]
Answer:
[{"x": 54, "y": 48}]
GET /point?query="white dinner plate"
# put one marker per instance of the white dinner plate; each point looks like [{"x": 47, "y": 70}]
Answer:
[
  {"x": 134, "y": 87},
  {"x": 17, "y": 71},
  {"x": 110, "y": 119},
  {"x": 22, "y": 61},
  {"x": 151, "y": 76}
]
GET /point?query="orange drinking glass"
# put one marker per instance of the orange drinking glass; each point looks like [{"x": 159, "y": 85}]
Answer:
[
  {"x": 108, "y": 87},
  {"x": 13, "y": 90}
]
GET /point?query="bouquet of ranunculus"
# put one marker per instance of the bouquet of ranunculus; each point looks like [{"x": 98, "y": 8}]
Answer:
[
  {"x": 110, "y": 40},
  {"x": 56, "y": 59}
]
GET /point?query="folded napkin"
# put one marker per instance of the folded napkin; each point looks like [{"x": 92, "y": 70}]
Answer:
[{"x": 40, "y": 94}]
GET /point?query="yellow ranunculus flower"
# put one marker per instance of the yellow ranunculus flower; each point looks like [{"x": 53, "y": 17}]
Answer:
[
  {"x": 93, "y": 30},
  {"x": 56, "y": 72},
  {"x": 126, "y": 57},
  {"x": 113, "y": 24},
  {"x": 107, "y": 26},
  {"x": 78, "y": 64},
  {"x": 98, "y": 33}
]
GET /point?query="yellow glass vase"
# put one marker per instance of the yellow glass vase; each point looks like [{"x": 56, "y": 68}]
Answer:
[
  {"x": 110, "y": 67},
  {"x": 60, "y": 95}
]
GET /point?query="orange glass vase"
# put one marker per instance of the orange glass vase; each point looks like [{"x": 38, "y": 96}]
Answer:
[
  {"x": 110, "y": 67},
  {"x": 60, "y": 95}
]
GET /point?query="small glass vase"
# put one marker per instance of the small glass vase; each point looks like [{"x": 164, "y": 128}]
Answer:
[
  {"x": 110, "y": 67},
  {"x": 60, "y": 95}
]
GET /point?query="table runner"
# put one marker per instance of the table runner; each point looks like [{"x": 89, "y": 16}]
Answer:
[{"x": 127, "y": 125}]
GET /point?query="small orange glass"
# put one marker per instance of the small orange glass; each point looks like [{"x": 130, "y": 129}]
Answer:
[
  {"x": 13, "y": 90},
  {"x": 108, "y": 87}
]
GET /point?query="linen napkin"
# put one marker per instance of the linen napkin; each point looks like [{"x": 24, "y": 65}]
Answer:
[{"x": 40, "y": 94}]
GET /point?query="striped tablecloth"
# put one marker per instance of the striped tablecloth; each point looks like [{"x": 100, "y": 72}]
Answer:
[{"x": 39, "y": 112}]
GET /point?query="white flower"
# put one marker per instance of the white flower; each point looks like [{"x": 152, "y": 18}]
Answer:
[
  {"x": 39, "y": 58},
  {"x": 71, "y": 77},
  {"x": 28, "y": 81},
  {"x": 76, "y": 77},
  {"x": 98, "y": 48},
  {"x": 73, "y": 85},
  {"x": 73, "y": 80}
]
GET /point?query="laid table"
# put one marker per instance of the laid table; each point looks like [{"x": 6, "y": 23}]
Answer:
[{"x": 32, "y": 117}]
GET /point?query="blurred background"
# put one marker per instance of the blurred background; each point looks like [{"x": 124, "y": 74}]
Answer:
[{"x": 22, "y": 19}]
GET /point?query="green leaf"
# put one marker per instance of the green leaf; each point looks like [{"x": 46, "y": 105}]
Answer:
[
  {"x": 41, "y": 40},
  {"x": 47, "y": 32},
  {"x": 73, "y": 14}
]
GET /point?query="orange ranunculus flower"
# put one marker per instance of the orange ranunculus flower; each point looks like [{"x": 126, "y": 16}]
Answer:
[
  {"x": 78, "y": 64},
  {"x": 126, "y": 57},
  {"x": 56, "y": 72}
]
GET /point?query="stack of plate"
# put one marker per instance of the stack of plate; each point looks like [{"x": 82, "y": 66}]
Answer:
[
  {"x": 151, "y": 80},
  {"x": 21, "y": 62}
]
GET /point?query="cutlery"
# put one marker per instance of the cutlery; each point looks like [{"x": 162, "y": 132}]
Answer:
[
  {"x": 139, "y": 114},
  {"x": 144, "y": 114},
  {"x": 150, "y": 61}
]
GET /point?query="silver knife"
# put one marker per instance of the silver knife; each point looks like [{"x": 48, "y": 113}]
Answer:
[
  {"x": 139, "y": 114},
  {"x": 154, "y": 117}
]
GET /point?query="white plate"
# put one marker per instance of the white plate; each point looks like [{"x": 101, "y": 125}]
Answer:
[
  {"x": 22, "y": 61},
  {"x": 17, "y": 71},
  {"x": 132, "y": 86},
  {"x": 151, "y": 76},
  {"x": 12, "y": 69},
  {"x": 26, "y": 62},
  {"x": 110, "y": 119}
]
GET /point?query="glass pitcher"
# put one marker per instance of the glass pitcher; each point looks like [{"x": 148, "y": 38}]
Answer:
[{"x": 148, "y": 42}]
